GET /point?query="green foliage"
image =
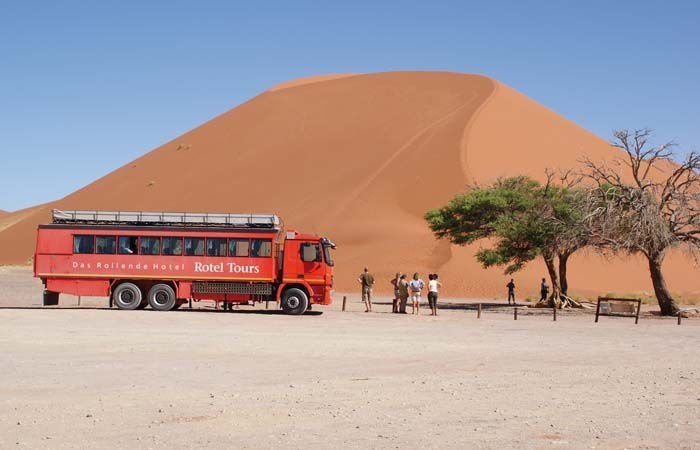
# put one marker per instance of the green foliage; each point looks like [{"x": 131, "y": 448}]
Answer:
[
  {"x": 473, "y": 215},
  {"x": 522, "y": 236},
  {"x": 526, "y": 219}
]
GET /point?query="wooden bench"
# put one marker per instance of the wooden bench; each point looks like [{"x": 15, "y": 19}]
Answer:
[{"x": 620, "y": 307}]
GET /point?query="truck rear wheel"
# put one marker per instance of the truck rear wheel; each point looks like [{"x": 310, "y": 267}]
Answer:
[
  {"x": 294, "y": 301},
  {"x": 162, "y": 297},
  {"x": 127, "y": 296}
]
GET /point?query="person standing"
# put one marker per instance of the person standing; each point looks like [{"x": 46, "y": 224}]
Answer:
[
  {"x": 403, "y": 293},
  {"x": 395, "y": 284},
  {"x": 511, "y": 291},
  {"x": 433, "y": 287},
  {"x": 367, "y": 281},
  {"x": 544, "y": 290},
  {"x": 416, "y": 285}
]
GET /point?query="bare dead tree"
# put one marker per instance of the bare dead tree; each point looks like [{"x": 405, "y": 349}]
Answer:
[{"x": 649, "y": 210}]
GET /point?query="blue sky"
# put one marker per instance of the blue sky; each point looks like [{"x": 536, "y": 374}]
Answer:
[{"x": 88, "y": 86}]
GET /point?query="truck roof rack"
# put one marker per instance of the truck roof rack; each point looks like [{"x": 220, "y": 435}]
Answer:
[{"x": 183, "y": 219}]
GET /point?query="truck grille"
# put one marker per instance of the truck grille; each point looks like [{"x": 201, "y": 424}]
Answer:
[{"x": 200, "y": 287}]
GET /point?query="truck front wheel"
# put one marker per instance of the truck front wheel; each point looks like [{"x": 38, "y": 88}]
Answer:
[
  {"x": 127, "y": 296},
  {"x": 294, "y": 301}
]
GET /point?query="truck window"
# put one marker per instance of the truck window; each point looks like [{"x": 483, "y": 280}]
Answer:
[
  {"x": 310, "y": 252},
  {"x": 260, "y": 248},
  {"x": 149, "y": 245},
  {"x": 172, "y": 246},
  {"x": 83, "y": 243},
  {"x": 194, "y": 246},
  {"x": 238, "y": 247},
  {"x": 327, "y": 254},
  {"x": 216, "y": 247},
  {"x": 128, "y": 245},
  {"x": 105, "y": 245}
]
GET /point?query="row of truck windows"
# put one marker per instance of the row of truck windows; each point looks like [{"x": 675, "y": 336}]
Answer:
[{"x": 171, "y": 246}]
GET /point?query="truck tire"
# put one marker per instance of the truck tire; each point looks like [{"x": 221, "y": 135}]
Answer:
[
  {"x": 294, "y": 301},
  {"x": 161, "y": 297},
  {"x": 127, "y": 296}
]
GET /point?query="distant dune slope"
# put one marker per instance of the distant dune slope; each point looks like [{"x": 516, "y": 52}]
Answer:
[
  {"x": 360, "y": 158},
  {"x": 310, "y": 80}
]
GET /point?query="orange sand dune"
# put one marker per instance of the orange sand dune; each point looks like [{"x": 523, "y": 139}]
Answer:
[
  {"x": 360, "y": 158},
  {"x": 309, "y": 80}
]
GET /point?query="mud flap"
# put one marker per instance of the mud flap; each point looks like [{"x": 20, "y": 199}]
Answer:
[{"x": 50, "y": 298}]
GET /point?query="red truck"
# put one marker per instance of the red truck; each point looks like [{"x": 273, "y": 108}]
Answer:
[{"x": 164, "y": 260}]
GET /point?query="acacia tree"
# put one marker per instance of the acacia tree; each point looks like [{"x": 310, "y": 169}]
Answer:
[
  {"x": 567, "y": 207},
  {"x": 649, "y": 210},
  {"x": 527, "y": 220}
]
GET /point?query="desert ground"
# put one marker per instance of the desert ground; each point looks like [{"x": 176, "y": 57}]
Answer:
[{"x": 89, "y": 377}]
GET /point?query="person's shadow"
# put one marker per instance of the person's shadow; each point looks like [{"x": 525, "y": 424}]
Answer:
[{"x": 474, "y": 306}]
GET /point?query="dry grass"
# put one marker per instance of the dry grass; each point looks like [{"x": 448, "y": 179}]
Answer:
[{"x": 646, "y": 297}]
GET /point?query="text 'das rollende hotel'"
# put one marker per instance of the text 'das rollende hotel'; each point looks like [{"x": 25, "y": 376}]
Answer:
[{"x": 200, "y": 267}]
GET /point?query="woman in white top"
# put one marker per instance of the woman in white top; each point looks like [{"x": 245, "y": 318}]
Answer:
[
  {"x": 416, "y": 285},
  {"x": 433, "y": 286}
]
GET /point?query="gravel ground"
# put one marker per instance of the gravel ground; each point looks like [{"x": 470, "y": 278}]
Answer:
[{"x": 89, "y": 377}]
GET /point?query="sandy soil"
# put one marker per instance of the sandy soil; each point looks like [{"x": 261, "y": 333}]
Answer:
[{"x": 97, "y": 378}]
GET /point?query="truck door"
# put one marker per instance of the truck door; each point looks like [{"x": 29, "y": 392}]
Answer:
[{"x": 312, "y": 262}]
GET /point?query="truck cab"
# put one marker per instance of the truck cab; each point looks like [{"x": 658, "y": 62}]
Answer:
[{"x": 306, "y": 264}]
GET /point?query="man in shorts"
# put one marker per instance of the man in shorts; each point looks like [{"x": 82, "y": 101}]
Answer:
[{"x": 367, "y": 281}]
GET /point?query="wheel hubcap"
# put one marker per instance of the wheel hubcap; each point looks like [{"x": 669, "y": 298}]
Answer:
[
  {"x": 126, "y": 297},
  {"x": 161, "y": 298},
  {"x": 293, "y": 302}
]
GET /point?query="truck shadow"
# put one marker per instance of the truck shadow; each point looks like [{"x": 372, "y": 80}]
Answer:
[
  {"x": 269, "y": 312},
  {"x": 92, "y": 308}
]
